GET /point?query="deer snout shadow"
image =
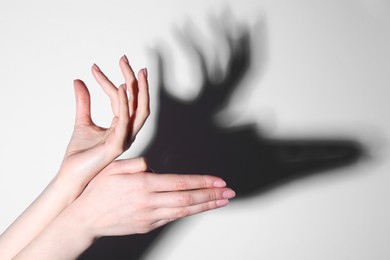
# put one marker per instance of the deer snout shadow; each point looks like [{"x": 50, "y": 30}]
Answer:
[{"x": 187, "y": 141}]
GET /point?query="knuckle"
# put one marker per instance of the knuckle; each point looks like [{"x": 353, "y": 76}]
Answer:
[
  {"x": 142, "y": 223},
  {"x": 208, "y": 206},
  {"x": 181, "y": 184},
  {"x": 213, "y": 195},
  {"x": 185, "y": 200},
  {"x": 141, "y": 207},
  {"x": 204, "y": 182}
]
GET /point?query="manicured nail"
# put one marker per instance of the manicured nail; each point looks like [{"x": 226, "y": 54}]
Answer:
[
  {"x": 219, "y": 184},
  {"x": 125, "y": 59},
  {"x": 145, "y": 71},
  {"x": 228, "y": 194},
  {"x": 96, "y": 67},
  {"x": 221, "y": 203}
]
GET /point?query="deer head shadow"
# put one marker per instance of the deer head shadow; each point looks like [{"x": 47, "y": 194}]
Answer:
[{"x": 187, "y": 141}]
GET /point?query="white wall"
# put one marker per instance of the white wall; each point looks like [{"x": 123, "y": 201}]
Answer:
[{"x": 327, "y": 73}]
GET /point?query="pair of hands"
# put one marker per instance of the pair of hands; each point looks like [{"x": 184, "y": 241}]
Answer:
[
  {"x": 123, "y": 192},
  {"x": 96, "y": 195}
]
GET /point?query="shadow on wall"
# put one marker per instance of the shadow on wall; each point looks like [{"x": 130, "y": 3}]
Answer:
[{"x": 187, "y": 141}]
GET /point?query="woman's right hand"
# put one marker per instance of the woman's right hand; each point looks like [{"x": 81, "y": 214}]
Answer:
[
  {"x": 117, "y": 202},
  {"x": 123, "y": 199}
]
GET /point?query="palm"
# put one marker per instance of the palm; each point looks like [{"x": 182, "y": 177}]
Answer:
[{"x": 85, "y": 138}]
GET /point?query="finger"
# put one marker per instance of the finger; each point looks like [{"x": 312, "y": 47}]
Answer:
[
  {"x": 177, "y": 182},
  {"x": 189, "y": 198},
  {"x": 176, "y": 213},
  {"x": 143, "y": 108},
  {"x": 122, "y": 127},
  {"x": 132, "y": 165},
  {"x": 108, "y": 87},
  {"x": 83, "y": 103},
  {"x": 131, "y": 83}
]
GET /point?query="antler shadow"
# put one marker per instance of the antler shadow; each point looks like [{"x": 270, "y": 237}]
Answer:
[{"x": 187, "y": 141}]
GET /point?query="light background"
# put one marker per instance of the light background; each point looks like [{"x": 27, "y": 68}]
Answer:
[{"x": 327, "y": 73}]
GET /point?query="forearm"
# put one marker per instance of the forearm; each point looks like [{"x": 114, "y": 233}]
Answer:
[
  {"x": 66, "y": 237},
  {"x": 57, "y": 195}
]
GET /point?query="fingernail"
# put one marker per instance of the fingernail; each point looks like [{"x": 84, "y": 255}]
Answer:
[
  {"x": 219, "y": 184},
  {"x": 221, "y": 203},
  {"x": 228, "y": 194},
  {"x": 125, "y": 59},
  {"x": 96, "y": 67},
  {"x": 145, "y": 71}
]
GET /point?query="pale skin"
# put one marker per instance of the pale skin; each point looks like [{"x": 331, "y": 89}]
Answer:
[
  {"x": 116, "y": 202},
  {"x": 93, "y": 195}
]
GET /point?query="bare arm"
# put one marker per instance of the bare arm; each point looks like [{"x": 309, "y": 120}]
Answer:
[{"x": 90, "y": 150}]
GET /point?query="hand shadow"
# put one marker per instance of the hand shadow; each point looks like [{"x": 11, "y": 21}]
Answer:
[{"x": 187, "y": 141}]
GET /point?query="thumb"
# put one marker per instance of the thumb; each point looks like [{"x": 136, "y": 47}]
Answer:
[{"x": 83, "y": 103}]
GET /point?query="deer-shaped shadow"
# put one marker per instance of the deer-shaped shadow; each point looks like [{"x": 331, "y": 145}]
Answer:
[{"x": 187, "y": 141}]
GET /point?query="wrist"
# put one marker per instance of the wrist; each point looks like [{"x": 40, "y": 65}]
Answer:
[{"x": 69, "y": 185}]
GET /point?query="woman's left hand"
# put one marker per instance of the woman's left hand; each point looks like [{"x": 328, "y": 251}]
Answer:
[{"x": 92, "y": 147}]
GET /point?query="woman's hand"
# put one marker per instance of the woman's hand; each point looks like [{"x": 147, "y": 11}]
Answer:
[
  {"x": 124, "y": 200},
  {"x": 118, "y": 203},
  {"x": 92, "y": 147}
]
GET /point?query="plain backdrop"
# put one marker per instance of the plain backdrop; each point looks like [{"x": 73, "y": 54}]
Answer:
[{"x": 326, "y": 73}]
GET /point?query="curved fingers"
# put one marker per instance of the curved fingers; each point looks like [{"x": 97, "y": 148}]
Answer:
[
  {"x": 138, "y": 94},
  {"x": 131, "y": 82},
  {"x": 138, "y": 98},
  {"x": 130, "y": 111},
  {"x": 122, "y": 127},
  {"x": 143, "y": 102},
  {"x": 108, "y": 88}
]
